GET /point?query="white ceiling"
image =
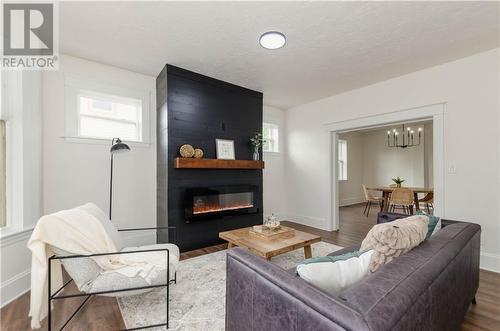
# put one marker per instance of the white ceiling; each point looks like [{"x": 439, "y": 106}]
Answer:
[{"x": 331, "y": 46}]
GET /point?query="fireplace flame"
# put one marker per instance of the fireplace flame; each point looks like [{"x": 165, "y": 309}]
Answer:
[{"x": 212, "y": 208}]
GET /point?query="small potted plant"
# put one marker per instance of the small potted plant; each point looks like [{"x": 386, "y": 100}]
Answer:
[
  {"x": 398, "y": 181},
  {"x": 256, "y": 141}
]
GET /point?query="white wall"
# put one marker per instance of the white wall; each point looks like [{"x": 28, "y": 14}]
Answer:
[
  {"x": 59, "y": 173},
  {"x": 76, "y": 172},
  {"x": 350, "y": 190},
  {"x": 469, "y": 86},
  {"x": 274, "y": 172},
  {"x": 26, "y": 198},
  {"x": 383, "y": 163}
]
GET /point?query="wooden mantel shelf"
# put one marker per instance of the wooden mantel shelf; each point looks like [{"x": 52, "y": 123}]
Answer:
[{"x": 190, "y": 163}]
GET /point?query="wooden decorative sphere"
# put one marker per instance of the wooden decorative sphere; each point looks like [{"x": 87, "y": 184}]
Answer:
[
  {"x": 186, "y": 150},
  {"x": 198, "y": 153}
]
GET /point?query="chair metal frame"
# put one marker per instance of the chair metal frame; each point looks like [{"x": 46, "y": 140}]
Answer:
[{"x": 55, "y": 296}]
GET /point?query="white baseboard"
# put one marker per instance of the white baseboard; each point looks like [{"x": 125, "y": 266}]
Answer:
[
  {"x": 351, "y": 201},
  {"x": 14, "y": 287},
  {"x": 490, "y": 262},
  {"x": 315, "y": 222},
  {"x": 16, "y": 266}
]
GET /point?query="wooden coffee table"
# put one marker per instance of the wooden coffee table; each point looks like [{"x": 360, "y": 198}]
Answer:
[{"x": 269, "y": 248}]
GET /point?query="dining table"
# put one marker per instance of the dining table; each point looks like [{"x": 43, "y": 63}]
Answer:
[{"x": 386, "y": 190}]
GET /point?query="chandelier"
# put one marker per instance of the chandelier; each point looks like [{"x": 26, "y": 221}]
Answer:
[{"x": 405, "y": 138}]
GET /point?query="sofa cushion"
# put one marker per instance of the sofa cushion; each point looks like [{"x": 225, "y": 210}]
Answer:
[
  {"x": 335, "y": 273},
  {"x": 111, "y": 281},
  {"x": 89, "y": 277},
  {"x": 83, "y": 270},
  {"x": 108, "y": 281}
]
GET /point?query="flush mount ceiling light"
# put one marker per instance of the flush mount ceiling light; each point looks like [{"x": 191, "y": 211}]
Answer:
[{"x": 272, "y": 40}]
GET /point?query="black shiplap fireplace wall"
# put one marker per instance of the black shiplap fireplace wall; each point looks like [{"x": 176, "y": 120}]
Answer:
[{"x": 195, "y": 109}]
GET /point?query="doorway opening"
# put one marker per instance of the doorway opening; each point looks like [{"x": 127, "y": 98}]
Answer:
[{"x": 365, "y": 152}]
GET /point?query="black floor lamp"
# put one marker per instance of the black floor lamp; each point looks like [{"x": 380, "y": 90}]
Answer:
[{"x": 117, "y": 146}]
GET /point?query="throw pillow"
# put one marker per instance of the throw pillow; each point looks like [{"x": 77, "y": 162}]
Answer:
[
  {"x": 437, "y": 228},
  {"x": 333, "y": 276},
  {"x": 335, "y": 258},
  {"x": 390, "y": 240},
  {"x": 433, "y": 221}
]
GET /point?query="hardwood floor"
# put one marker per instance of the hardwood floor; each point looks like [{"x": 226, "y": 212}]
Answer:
[
  {"x": 99, "y": 313},
  {"x": 353, "y": 227},
  {"x": 102, "y": 313}
]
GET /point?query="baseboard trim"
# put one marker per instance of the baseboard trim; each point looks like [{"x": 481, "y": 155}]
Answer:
[
  {"x": 351, "y": 201},
  {"x": 14, "y": 287},
  {"x": 315, "y": 222},
  {"x": 490, "y": 262}
]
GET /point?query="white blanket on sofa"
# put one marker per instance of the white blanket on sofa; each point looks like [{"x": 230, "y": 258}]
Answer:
[{"x": 79, "y": 232}]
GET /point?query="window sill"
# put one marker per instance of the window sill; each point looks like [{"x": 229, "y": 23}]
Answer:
[
  {"x": 343, "y": 180},
  {"x": 98, "y": 141}
]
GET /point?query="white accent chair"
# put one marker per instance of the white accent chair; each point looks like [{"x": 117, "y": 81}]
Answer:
[{"x": 92, "y": 280}]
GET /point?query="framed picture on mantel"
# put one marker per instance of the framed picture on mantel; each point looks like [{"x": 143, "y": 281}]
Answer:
[{"x": 224, "y": 149}]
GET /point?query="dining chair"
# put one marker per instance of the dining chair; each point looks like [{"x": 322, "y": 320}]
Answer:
[
  {"x": 389, "y": 193},
  {"x": 428, "y": 201},
  {"x": 369, "y": 197},
  {"x": 401, "y": 198}
]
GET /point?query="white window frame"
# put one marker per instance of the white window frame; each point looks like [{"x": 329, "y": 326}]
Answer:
[
  {"x": 277, "y": 140},
  {"x": 342, "y": 160},
  {"x": 75, "y": 85},
  {"x": 11, "y": 113}
]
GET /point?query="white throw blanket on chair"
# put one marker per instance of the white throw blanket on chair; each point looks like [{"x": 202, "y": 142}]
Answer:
[{"x": 79, "y": 232}]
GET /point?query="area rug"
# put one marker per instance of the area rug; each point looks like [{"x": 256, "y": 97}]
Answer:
[{"x": 197, "y": 301}]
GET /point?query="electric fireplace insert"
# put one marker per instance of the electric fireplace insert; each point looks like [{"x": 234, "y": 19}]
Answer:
[{"x": 214, "y": 201}]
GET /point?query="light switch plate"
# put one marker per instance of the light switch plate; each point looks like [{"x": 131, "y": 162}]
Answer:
[{"x": 452, "y": 169}]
